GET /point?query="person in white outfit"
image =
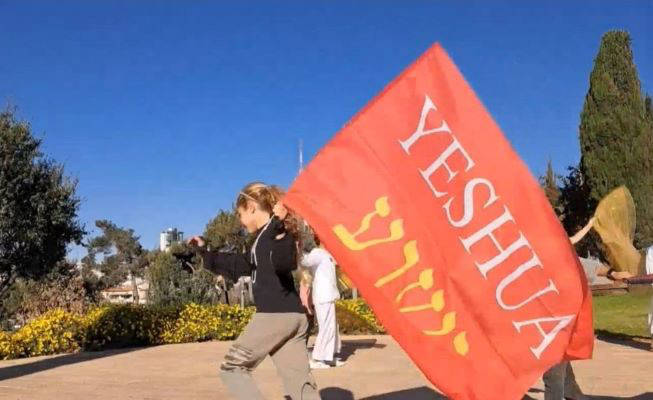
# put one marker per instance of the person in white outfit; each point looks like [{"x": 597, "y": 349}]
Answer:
[
  {"x": 324, "y": 294},
  {"x": 646, "y": 276},
  {"x": 649, "y": 270}
]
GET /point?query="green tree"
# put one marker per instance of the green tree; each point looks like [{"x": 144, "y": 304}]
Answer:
[
  {"x": 549, "y": 183},
  {"x": 224, "y": 232},
  {"x": 616, "y": 135},
  {"x": 123, "y": 257},
  {"x": 172, "y": 283},
  {"x": 577, "y": 207},
  {"x": 38, "y": 206}
]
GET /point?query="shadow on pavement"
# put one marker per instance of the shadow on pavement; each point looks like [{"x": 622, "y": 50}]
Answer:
[
  {"x": 643, "y": 396},
  {"x": 419, "y": 393},
  {"x": 639, "y": 343},
  {"x": 16, "y": 371},
  {"x": 349, "y": 347},
  {"x": 425, "y": 393}
]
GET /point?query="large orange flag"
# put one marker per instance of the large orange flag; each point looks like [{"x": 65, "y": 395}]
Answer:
[{"x": 449, "y": 238}]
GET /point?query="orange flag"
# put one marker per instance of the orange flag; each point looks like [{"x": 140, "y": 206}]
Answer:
[{"x": 449, "y": 238}]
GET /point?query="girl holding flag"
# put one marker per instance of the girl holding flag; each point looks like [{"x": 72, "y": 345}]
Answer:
[{"x": 280, "y": 326}]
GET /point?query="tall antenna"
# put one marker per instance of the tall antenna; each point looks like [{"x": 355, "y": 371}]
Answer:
[
  {"x": 301, "y": 156},
  {"x": 301, "y": 168}
]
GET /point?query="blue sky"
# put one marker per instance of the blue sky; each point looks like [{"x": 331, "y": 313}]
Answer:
[{"x": 163, "y": 110}]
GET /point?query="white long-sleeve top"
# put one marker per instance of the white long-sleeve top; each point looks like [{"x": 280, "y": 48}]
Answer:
[{"x": 323, "y": 269}]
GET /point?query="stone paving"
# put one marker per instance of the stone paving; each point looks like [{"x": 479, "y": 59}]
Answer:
[{"x": 376, "y": 369}]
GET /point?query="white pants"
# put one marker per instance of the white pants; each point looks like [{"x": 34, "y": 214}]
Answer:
[{"x": 327, "y": 342}]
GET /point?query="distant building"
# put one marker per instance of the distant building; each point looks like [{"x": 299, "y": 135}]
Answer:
[
  {"x": 170, "y": 236},
  {"x": 124, "y": 293}
]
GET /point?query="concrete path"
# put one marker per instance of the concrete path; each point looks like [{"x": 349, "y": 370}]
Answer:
[{"x": 377, "y": 369}]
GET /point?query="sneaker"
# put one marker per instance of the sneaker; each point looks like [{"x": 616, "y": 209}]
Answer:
[{"x": 318, "y": 364}]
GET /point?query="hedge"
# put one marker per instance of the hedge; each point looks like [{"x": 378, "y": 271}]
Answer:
[{"x": 114, "y": 326}]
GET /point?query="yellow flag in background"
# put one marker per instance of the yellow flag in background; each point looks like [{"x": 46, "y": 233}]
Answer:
[{"x": 614, "y": 220}]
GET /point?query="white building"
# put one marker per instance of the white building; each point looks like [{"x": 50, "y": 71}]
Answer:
[
  {"x": 170, "y": 236},
  {"x": 124, "y": 293}
]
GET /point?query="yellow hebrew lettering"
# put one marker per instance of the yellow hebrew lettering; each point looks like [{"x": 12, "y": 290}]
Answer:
[
  {"x": 436, "y": 304},
  {"x": 410, "y": 255},
  {"x": 349, "y": 240},
  {"x": 381, "y": 209},
  {"x": 425, "y": 281},
  {"x": 448, "y": 325},
  {"x": 460, "y": 343}
]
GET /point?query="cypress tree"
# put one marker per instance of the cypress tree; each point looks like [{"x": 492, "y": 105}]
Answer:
[{"x": 616, "y": 132}]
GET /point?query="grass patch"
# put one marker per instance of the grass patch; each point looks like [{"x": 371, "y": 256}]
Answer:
[{"x": 622, "y": 315}]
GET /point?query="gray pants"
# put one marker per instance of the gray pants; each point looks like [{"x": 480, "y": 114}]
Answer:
[
  {"x": 283, "y": 337},
  {"x": 560, "y": 383}
]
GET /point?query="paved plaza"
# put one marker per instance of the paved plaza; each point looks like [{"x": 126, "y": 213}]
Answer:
[{"x": 376, "y": 369}]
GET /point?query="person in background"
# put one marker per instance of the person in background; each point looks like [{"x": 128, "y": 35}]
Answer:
[
  {"x": 649, "y": 271},
  {"x": 324, "y": 295},
  {"x": 560, "y": 383}
]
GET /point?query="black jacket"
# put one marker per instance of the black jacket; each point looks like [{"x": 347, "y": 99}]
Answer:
[{"x": 270, "y": 263}]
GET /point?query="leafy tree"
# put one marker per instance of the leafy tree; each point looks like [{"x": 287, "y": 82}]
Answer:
[
  {"x": 224, "y": 232},
  {"x": 123, "y": 257},
  {"x": 577, "y": 207},
  {"x": 172, "y": 283},
  {"x": 38, "y": 207},
  {"x": 549, "y": 183}
]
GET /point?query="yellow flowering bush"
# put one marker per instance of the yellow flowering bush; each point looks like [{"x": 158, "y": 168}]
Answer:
[
  {"x": 111, "y": 326},
  {"x": 7, "y": 348},
  {"x": 356, "y": 317},
  {"x": 199, "y": 323},
  {"x": 54, "y": 332}
]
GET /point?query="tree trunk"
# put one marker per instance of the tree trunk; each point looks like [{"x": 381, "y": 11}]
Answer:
[
  {"x": 134, "y": 289},
  {"x": 6, "y": 285}
]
